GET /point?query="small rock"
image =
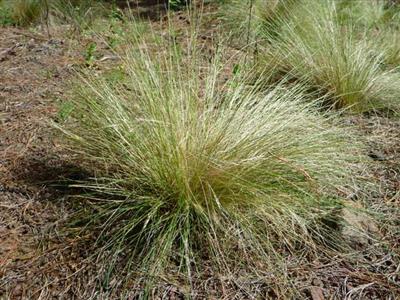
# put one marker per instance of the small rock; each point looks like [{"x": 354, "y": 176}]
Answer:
[
  {"x": 31, "y": 44},
  {"x": 357, "y": 225},
  {"x": 317, "y": 282},
  {"x": 317, "y": 293}
]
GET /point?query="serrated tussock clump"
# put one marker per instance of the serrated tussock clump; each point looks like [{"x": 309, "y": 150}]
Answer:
[
  {"x": 318, "y": 46},
  {"x": 191, "y": 169}
]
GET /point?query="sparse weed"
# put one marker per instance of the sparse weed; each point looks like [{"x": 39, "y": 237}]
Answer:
[
  {"x": 64, "y": 112},
  {"x": 90, "y": 56}
]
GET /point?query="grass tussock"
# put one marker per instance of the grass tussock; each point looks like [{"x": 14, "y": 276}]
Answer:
[
  {"x": 246, "y": 19},
  {"x": 346, "y": 50},
  {"x": 82, "y": 14},
  {"x": 189, "y": 170},
  {"x": 389, "y": 44},
  {"x": 25, "y": 12},
  {"x": 314, "y": 47},
  {"x": 77, "y": 13},
  {"x": 377, "y": 21}
]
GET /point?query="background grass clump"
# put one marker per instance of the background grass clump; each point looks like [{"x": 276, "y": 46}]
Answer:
[
  {"x": 81, "y": 14},
  {"x": 315, "y": 49},
  {"x": 246, "y": 20},
  {"x": 190, "y": 171},
  {"x": 77, "y": 13},
  {"x": 24, "y": 12},
  {"x": 329, "y": 46}
]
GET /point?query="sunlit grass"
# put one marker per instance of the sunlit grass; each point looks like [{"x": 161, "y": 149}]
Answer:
[{"x": 190, "y": 170}]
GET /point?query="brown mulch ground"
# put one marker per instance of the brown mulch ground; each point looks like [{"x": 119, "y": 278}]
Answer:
[
  {"x": 33, "y": 70},
  {"x": 38, "y": 261}
]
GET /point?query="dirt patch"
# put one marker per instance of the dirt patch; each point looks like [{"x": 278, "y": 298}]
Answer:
[{"x": 33, "y": 70}]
